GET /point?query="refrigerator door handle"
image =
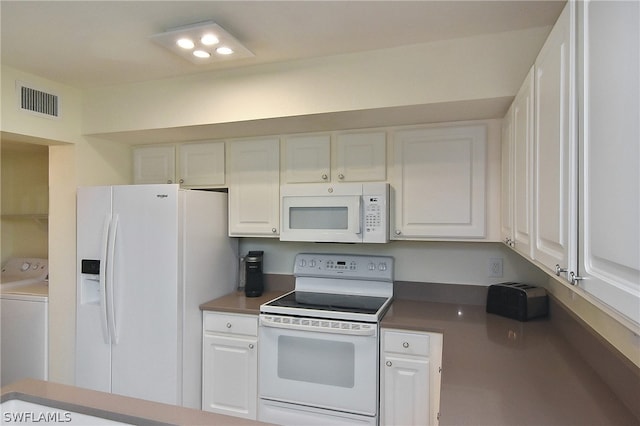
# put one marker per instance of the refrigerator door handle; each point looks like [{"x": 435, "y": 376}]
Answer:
[
  {"x": 102, "y": 280},
  {"x": 110, "y": 280}
]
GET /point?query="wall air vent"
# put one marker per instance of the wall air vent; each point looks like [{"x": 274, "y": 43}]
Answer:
[{"x": 38, "y": 101}]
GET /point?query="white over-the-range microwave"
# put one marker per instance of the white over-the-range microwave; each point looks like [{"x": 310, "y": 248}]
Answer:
[{"x": 338, "y": 213}]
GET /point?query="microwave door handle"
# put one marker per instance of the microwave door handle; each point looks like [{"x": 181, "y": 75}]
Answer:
[{"x": 358, "y": 216}]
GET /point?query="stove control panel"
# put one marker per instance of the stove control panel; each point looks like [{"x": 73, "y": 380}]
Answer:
[{"x": 378, "y": 268}]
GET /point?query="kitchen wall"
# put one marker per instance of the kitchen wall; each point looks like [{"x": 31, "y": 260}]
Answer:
[
  {"x": 485, "y": 67},
  {"x": 474, "y": 68},
  {"x": 74, "y": 160},
  {"x": 427, "y": 262}
]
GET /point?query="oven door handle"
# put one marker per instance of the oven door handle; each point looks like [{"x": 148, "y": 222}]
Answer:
[{"x": 269, "y": 322}]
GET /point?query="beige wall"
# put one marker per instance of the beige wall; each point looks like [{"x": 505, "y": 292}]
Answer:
[
  {"x": 74, "y": 160},
  {"x": 483, "y": 67}
]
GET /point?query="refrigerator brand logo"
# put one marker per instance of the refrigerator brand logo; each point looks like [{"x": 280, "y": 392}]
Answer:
[{"x": 162, "y": 195}]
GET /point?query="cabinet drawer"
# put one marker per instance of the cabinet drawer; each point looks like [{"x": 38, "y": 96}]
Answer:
[
  {"x": 230, "y": 323},
  {"x": 405, "y": 343}
]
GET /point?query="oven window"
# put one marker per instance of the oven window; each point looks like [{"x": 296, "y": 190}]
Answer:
[
  {"x": 318, "y": 217},
  {"x": 316, "y": 361}
]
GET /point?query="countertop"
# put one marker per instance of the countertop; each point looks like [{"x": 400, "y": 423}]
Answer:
[
  {"x": 496, "y": 371},
  {"x": 113, "y": 407}
]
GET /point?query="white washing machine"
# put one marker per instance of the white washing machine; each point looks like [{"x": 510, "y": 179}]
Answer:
[{"x": 24, "y": 297}]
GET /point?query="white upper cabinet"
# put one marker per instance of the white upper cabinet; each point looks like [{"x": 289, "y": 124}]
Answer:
[
  {"x": 345, "y": 157},
  {"x": 254, "y": 187},
  {"x": 307, "y": 158},
  {"x": 609, "y": 112},
  {"x": 555, "y": 148},
  {"x": 360, "y": 157},
  {"x": 522, "y": 122},
  {"x": 154, "y": 164},
  {"x": 439, "y": 182},
  {"x": 506, "y": 182},
  {"x": 201, "y": 164}
]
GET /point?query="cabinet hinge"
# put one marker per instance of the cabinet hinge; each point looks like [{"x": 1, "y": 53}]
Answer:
[{"x": 438, "y": 416}]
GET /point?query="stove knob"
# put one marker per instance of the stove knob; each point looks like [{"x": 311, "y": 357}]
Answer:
[
  {"x": 302, "y": 263},
  {"x": 382, "y": 266},
  {"x": 372, "y": 266},
  {"x": 312, "y": 263},
  {"x": 25, "y": 266}
]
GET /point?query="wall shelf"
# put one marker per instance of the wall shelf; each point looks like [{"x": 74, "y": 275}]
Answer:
[{"x": 40, "y": 218}]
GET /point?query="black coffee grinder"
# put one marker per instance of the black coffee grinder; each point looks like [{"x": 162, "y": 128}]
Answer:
[{"x": 254, "y": 283}]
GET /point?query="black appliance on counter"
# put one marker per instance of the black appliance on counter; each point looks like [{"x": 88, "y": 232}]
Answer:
[
  {"x": 254, "y": 282},
  {"x": 517, "y": 301}
]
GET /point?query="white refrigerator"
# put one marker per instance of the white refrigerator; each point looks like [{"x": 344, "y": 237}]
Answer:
[{"x": 147, "y": 257}]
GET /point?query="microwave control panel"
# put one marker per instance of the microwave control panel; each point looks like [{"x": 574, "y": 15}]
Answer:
[{"x": 375, "y": 223}]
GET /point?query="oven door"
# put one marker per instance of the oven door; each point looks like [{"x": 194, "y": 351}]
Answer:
[
  {"x": 326, "y": 218},
  {"x": 336, "y": 369}
]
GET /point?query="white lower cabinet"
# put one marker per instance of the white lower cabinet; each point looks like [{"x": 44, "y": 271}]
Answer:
[
  {"x": 230, "y": 364},
  {"x": 410, "y": 370}
]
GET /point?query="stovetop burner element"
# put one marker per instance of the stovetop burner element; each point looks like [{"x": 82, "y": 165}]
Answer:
[{"x": 330, "y": 302}]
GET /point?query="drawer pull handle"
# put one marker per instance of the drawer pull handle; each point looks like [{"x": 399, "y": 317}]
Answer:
[
  {"x": 405, "y": 345},
  {"x": 250, "y": 345},
  {"x": 228, "y": 325},
  {"x": 388, "y": 363}
]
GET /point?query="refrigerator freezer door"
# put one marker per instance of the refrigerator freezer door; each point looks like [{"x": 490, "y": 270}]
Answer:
[{"x": 93, "y": 348}]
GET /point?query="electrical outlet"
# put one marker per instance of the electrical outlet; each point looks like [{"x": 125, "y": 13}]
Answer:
[{"x": 495, "y": 267}]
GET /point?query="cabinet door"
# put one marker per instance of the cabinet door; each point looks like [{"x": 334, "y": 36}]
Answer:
[
  {"x": 440, "y": 183},
  {"x": 360, "y": 157},
  {"x": 201, "y": 164},
  {"x": 307, "y": 158},
  {"x": 506, "y": 181},
  {"x": 154, "y": 164},
  {"x": 522, "y": 163},
  {"x": 609, "y": 152},
  {"x": 410, "y": 372},
  {"x": 405, "y": 391},
  {"x": 254, "y": 187},
  {"x": 230, "y": 375},
  {"x": 555, "y": 154}
]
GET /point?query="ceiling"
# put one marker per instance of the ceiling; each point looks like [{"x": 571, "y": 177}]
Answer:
[{"x": 100, "y": 43}]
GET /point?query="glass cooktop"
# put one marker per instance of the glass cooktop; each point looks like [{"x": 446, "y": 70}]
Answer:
[{"x": 330, "y": 302}]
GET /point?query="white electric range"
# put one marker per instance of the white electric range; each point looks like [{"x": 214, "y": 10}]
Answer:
[{"x": 319, "y": 343}]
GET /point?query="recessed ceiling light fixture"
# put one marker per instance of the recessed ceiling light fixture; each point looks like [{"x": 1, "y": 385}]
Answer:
[{"x": 202, "y": 43}]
